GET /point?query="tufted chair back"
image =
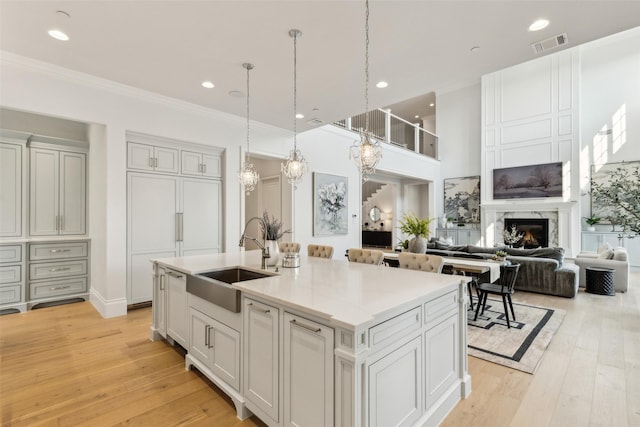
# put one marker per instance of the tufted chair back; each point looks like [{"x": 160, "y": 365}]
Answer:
[
  {"x": 423, "y": 262},
  {"x": 320, "y": 251},
  {"x": 366, "y": 256},
  {"x": 289, "y": 247}
]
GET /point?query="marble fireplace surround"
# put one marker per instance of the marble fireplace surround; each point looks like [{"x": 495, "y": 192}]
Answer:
[{"x": 558, "y": 215}]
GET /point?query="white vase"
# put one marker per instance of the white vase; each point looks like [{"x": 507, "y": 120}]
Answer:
[
  {"x": 274, "y": 252},
  {"x": 591, "y": 228}
]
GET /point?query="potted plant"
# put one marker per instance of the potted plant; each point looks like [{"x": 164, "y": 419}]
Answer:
[
  {"x": 500, "y": 256},
  {"x": 592, "y": 220},
  {"x": 272, "y": 231},
  {"x": 417, "y": 227}
]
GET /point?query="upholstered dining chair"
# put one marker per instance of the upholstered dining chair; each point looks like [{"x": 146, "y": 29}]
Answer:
[
  {"x": 366, "y": 256},
  {"x": 422, "y": 262},
  {"x": 504, "y": 287},
  {"x": 320, "y": 251},
  {"x": 289, "y": 247}
]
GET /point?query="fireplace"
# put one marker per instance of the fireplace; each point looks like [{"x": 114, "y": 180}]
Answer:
[{"x": 535, "y": 231}]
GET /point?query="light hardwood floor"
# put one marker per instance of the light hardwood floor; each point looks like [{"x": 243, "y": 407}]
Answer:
[{"x": 67, "y": 366}]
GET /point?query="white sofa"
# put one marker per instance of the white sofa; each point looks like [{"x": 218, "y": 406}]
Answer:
[{"x": 615, "y": 259}]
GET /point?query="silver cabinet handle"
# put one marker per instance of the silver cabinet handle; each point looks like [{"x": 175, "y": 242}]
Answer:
[
  {"x": 150, "y": 162},
  {"x": 206, "y": 335},
  {"x": 204, "y": 168},
  {"x": 308, "y": 328},
  {"x": 55, "y": 251},
  {"x": 162, "y": 282},
  {"x": 181, "y": 226},
  {"x": 177, "y": 226},
  {"x": 259, "y": 309},
  {"x": 57, "y": 288},
  {"x": 59, "y": 269},
  {"x": 176, "y": 275},
  {"x": 209, "y": 335},
  {"x": 156, "y": 162},
  {"x": 199, "y": 167}
]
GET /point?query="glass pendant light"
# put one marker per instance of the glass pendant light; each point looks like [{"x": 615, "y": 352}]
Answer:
[
  {"x": 366, "y": 152},
  {"x": 294, "y": 166},
  {"x": 248, "y": 176}
]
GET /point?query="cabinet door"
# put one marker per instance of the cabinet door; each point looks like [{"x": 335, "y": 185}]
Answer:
[
  {"x": 308, "y": 373},
  {"x": 212, "y": 165},
  {"x": 191, "y": 163},
  {"x": 177, "y": 308},
  {"x": 201, "y": 216},
  {"x": 261, "y": 369},
  {"x": 159, "y": 308},
  {"x": 72, "y": 193},
  {"x": 10, "y": 190},
  {"x": 395, "y": 387},
  {"x": 43, "y": 195},
  {"x": 152, "y": 202},
  {"x": 199, "y": 337},
  {"x": 590, "y": 241},
  {"x": 166, "y": 159},
  {"x": 225, "y": 353},
  {"x": 140, "y": 156},
  {"x": 441, "y": 359},
  {"x": 463, "y": 237},
  {"x": 475, "y": 237},
  {"x": 633, "y": 250}
]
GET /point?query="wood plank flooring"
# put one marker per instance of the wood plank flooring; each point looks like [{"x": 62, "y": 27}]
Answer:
[{"x": 67, "y": 366}]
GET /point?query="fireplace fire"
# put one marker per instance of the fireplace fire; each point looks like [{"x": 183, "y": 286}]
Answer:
[{"x": 535, "y": 231}]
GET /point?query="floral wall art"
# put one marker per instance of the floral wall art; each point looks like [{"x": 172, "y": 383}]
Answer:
[{"x": 329, "y": 204}]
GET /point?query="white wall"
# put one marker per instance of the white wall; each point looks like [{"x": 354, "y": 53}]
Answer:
[
  {"x": 113, "y": 109},
  {"x": 610, "y": 104}
]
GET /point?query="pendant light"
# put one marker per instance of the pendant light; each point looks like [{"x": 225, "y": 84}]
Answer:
[
  {"x": 367, "y": 152},
  {"x": 294, "y": 166},
  {"x": 248, "y": 176}
]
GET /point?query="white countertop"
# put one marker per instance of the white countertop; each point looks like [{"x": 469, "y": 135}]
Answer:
[{"x": 347, "y": 294}]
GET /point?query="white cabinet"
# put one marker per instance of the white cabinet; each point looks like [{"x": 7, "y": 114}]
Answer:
[
  {"x": 12, "y": 290},
  {"x": 308, "y": 372},
  {"x": 57, "y": 192},
  {"x": 441, "y": 359},
  {"x": 261, "y": 362},
  {"x": 11, "y": 180},
  {"x": 591, "y": 241},
  {"x": 461, "y": 236},
  {"x": 200, "y": 164},
  {"x": 217, "y": 346},
  {"x": 395, "y": 386},
  {"x": 177, "y": 308},
  {"x": 152, "y": 158}
]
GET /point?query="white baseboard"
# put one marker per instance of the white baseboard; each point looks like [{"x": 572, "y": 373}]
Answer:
[{"x": 106, "y": 308}]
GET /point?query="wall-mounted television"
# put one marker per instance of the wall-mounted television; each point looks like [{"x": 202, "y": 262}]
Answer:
[{"x": 524, "y": 182}]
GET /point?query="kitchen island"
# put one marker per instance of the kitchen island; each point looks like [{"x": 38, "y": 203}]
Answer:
[{"x": 330, "y": 343}]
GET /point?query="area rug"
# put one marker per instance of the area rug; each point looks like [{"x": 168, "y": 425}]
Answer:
[{"x": 520, "y": 347}]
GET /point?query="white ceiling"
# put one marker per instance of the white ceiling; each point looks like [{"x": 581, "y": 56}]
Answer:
[{"x": 170, "y": 47}]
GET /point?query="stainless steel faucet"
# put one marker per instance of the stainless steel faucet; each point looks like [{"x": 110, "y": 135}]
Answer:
[{"x": 265, "y": 250}]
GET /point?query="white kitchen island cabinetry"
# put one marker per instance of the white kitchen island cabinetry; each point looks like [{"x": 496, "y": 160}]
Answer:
[{"x": 334, "y": 343}]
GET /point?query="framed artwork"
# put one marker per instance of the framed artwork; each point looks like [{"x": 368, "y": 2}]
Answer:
[
  {"x": 329, "y": 204},
  {"x": 462, "y": 199},
  {"x": 524, "y": 182},
  {"x": 601, "y": 174}
]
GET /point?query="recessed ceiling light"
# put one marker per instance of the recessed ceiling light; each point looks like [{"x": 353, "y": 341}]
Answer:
[
  {"x": 417, "y": 116},
  {"x": 539, "y": 25},
  {"x": 236, "y": 94},
  {"x": 299, "y": 116},
  {"x": 432, "y": 104},
  {"x": 382, "y": 84},
  {"x": 475, "y": 49},
  {"x": 208, "y": 84},
  {"x": 58, "y": 35}
]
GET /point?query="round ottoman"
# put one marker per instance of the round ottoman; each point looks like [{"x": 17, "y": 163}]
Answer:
[{"x": 600, "y": 281}]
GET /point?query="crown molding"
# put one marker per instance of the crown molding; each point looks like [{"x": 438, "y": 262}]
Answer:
[{"x": 89, "y": 80}]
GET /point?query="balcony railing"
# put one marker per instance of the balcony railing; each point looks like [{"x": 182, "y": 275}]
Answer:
[{"x": 392, "y": 129}]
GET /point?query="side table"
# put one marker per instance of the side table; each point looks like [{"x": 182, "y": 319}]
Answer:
[{"x": 600, "y": 281}]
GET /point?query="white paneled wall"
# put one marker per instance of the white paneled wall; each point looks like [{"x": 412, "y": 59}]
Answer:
[{"x": 529, "y": 116}]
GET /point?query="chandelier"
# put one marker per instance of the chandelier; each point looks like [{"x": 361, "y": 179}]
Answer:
[
  {"x": 294, "y": 166},
  {"x": 366, "y": 152},
  {"x": 248, "y": 176}
]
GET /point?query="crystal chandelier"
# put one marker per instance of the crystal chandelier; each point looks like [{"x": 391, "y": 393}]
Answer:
[
  {"x": 366, "y": 152},
  {"x": 248, "y": 176},
  {"x": 294, "y": 166}
]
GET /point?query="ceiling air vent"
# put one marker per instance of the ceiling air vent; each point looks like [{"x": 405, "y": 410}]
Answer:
[
  {"x": 315, "y": 122},
  {"x": 550, "y": 43}
]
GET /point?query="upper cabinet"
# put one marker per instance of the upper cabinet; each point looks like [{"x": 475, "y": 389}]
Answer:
[
  {"x": 200, "y": 164},
  {"x": 11, "y": 181},
  {"x": 58, "y": 190},
  {"x": 152, "y": 158}
]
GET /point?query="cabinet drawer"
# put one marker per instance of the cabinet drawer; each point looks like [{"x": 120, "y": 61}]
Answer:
[
  {"x": 10, "y": 274},
  {"x": 10, "y": 253},
  {"x": 54, "y": 270},
  {"x": 56, "y": 288},
  {"x": 434, "y": 310},
  {"x": 10, "y": 294},
  {"x": 394, "y": 329},
  {"x": 44, "y": 251}
]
